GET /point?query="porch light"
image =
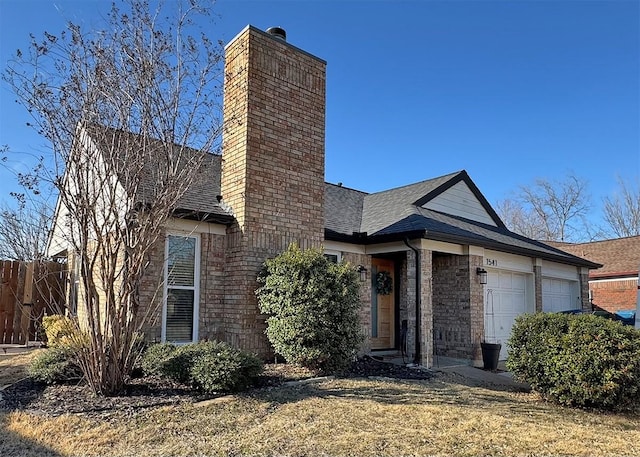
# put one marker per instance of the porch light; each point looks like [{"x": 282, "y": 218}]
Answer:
[
  {"x": 363, "y": 272},
  {"x": 482, "y": 275}
]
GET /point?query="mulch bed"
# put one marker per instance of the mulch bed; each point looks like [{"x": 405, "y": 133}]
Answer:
[{"x": 148, "y": 392}]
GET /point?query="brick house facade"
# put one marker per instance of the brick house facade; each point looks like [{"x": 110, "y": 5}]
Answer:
[
  {"x": 267, "y": 190},
  {"x": 614, "y": 286}
]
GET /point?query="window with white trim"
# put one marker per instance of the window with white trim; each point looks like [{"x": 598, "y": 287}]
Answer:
[
  {"x": 181, "y": 288},
  {"x": 333, "y": 256}
]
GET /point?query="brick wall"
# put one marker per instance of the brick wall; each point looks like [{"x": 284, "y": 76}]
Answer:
[
  {"x": 458, "y": 305},
  {"x": 615, "y": 295},
  {"x": 212, "y": 278},
  {"x": 426, "y": 306},
  {"x": 272, "y": 170},
  {"x": 151, "y": 291},
  {"x": 365, "y": 297}
]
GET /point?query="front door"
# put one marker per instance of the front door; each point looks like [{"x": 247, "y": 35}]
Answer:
[{"x": 382, "y": 304}]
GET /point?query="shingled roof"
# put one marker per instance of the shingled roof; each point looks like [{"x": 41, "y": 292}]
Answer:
[
  {"x": 198, "y": 202},
  {"x": 352, "y": 215},
  {"x": 396, "y": 214},
  {"x": 619, "y": 256}
]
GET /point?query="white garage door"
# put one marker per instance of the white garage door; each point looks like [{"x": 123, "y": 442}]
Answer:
[
  {"x": 559, "y": 295},
  {"x": 505, "y": 299}
]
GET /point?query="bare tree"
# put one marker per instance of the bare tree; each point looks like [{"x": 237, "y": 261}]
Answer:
[
  {"x": 622, "y": 210},
  {"x": 120, "y": 108},
  {"x": 521, "y": 220},
  {"x": 24, "y": 231},
  {"x": 550, "y": 210}
]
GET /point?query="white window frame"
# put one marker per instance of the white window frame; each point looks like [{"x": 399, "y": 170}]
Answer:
[
  {"x": 196, "y": 285},
  {"x": 338, "y": 254}
]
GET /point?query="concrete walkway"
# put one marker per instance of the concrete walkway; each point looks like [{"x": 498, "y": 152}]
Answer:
[
  {"x": 503, "y": 380},
  {"x": 500, "y": 379}
]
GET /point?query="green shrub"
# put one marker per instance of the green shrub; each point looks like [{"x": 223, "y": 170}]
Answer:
[
  {"x": 179, "y": 366},
  {"x": 209, "y": 366},
  {"x": 218, "y": 367},
  {"x": 55, "y": 365},
  {"x": 581, "y": 360},
  {"x": 312, "y": 306},
  {"x": 155, "y": 359}
]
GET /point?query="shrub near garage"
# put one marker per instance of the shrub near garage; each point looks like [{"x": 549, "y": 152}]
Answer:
[{"x": 580, "y": 360}]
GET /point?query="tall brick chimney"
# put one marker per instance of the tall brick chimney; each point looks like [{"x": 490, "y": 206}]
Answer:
[{"x": 272, "y": 166}]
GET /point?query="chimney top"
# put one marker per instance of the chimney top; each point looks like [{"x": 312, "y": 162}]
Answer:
[{"x": 277, "y": 32}]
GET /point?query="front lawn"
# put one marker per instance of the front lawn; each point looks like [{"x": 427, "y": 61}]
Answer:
[{"x": 440, "y": 416}]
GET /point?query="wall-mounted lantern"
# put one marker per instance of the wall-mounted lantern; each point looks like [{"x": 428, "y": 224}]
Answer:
[
  {"x": 363, "y": 272},
  {"x": 482, "y": 275}
]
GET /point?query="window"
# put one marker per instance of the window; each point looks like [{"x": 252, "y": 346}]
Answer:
[
  {"x": 333, "y": 256},
  {"x": 181, "y": 291}
]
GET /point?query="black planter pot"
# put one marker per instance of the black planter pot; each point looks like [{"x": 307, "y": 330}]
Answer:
[{"x": 490, "y": 355}]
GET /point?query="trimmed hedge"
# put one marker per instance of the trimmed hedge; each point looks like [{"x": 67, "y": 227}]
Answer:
[
  {"x": 210, "y": 366},
  {"x": 218, "y": 367},
  {"x": 577, "y": 360},
  {"x": 313, "y": 309},
  {"x": 55, "y": 365},
  {"x": 155, "y": 359}
]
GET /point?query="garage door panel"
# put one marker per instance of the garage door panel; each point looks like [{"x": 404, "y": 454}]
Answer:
[
  {"x": 505, "y": 281},
  {"x": 558, "y": 295},
  {"x": 508, "y": 292}
]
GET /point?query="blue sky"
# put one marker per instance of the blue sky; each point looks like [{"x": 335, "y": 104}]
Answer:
[{"x": 510, "y": 91}]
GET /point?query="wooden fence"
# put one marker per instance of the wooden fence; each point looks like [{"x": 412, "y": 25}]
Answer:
[{"x": 29, "y": 291}]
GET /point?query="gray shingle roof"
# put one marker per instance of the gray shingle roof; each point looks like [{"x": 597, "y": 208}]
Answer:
[
  {"x": 393, "y": 213},
  {"x": 199, "y": 200},
  {"x": 385, "y": 208},
  {"x": 342, "y": 209},
  {"x": 390, "y": 214}
]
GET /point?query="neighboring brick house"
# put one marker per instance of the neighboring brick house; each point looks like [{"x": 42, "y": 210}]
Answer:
[
  {"x": 614, "y": 286},
  {"x": 433, "y": 239}
]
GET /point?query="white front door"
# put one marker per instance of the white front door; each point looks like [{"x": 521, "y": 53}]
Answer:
[{"x": 505, "y": 299}]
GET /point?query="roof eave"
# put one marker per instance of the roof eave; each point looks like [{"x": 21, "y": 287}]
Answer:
[
  {"x": 614, "y": 275},
  {"x": 202, "y": 216},
  {"x": 577, "y": 261}
]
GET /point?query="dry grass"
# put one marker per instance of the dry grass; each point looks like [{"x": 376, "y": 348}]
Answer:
[
  {"x": 339, "y": 417},
  {"x": 13, "y": 365}
]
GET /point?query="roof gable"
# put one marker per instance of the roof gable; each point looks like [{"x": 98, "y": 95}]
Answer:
[
  {"x": 459, "y": 200},
  {"x": 459, "y": 196}
]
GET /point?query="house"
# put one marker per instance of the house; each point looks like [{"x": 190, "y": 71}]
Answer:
[
  {"x": 453, "y": 274},
  {"x": 613, "y": 287}
]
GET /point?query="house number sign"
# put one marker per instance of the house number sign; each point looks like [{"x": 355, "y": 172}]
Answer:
[{"x": 491, "y": 262}]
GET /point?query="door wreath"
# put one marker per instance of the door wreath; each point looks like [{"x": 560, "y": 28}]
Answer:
[{"x": 384, "y": 283}]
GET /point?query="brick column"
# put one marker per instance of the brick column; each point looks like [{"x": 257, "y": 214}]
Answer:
[
  {"x": 537, "y": 277},
  {"x": 476, "y": 309},
  {"x": 272, "y": 167},
  {"x": 583, "y": 274},
  {"x": 426, "y": 308}
]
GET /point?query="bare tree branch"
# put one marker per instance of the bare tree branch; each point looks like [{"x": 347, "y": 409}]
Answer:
[
  {"x": 550, "y": 210},
  {"x": 622, "y": 210},
  {"x": 122, "y": 109}
]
